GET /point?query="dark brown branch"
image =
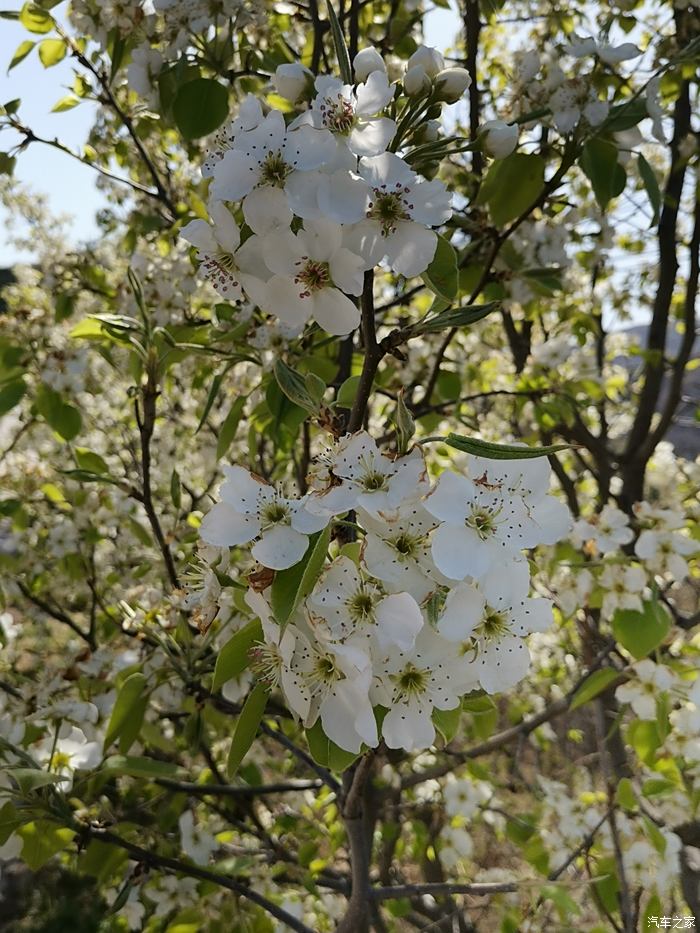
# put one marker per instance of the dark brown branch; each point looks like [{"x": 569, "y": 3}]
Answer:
[
  {"x": 57, "y": 614},
  {"x": 374, "y": 353}
]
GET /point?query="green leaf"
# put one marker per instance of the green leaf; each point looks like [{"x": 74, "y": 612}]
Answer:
[
  {"x": 625, "y": 795},
  {"x": 65, "y": 103},
  {"x": 651, "y": 184},
  {"x": 404, "y": 424},
  {"x": 63, "y": 418},
  {"x": 228, "y": 429},
  {"x": 625, "y": 116},
  {"x": 126, "y": 705},
  {"x": 176, "y": 489},
  {"x": 200, "y": 107},
  {"x": 512, "y": 185},
  {"x": 139, "y": 766},
  {"x": 347, "y": 392},
  {"x": 233, "y": 658},
  {"x": 641, "y": 632},
  {"x": 11, "y": 395},
  {"x": 478, "y": 448},
  {"x": 295, "y": 387},
  {"x": 29, "y": 779},
  {"x": 51, "y": 52},
  {"x": 341, "y": 49},
  {"x": 653, "y": 909},
  {"x": 599, "y": 163},
  {"x": 42, "y": 840},
  {"x": 442, "y": 275},
  {"x": 454, "y": 317},
  {"x": 211, "y": 398},
  {"x": 34, "y": 19},
  {"x": 7, "y": 163},
  {"x": 21, "y": 52},
  {"x": 291, "y": 586},
  {"x": 325, "y": 752},
  {"x": 643, "y": 736},
  {"x": 592, "y": 686},
  {"x": 89, "y": 461},
  {"x": 446, "y": 721},
  {"x": 247, "y": 727}
]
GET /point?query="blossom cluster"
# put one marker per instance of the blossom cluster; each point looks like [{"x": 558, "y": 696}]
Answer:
[
  {"x": 433, "y": 605},
  {"x": 299, "y": 210}
]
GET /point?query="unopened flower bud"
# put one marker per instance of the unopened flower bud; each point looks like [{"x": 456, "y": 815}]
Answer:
[
  {"x": 429, "y": 59},
  {"x": 416, "y": 82},
  {"x": 499, "y": 138},
  {"x": 366, "y": 61},
  {"x": 291, "y": 81},
  {"x": 451, "y": 84}
]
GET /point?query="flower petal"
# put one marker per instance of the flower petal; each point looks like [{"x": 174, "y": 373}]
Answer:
[{"x": 280, "y": 547}]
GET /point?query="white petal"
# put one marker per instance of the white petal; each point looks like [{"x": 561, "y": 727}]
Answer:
[
  {"x": 411, "y": 248},
  {"x": 335, "y": 312},
  {"x": 266, "y": 208},
  {"x": 399, "y": 620},
  {"x": 243, "y": 490},
  {"x": 462, "y": 612},
  {"x": 409, "y": 726},
  {"x": 347, "y": 271},
  {"x": 371, "y": 137},
  {"x": 458, "y": 552},
  {"x": 449, "y": 499},
  {"x": 235, "y": 176},
  {"x": 321, "y": 239},
  {"x": 306, "y": 521},
  {"x": 281, "y": 251},
  {"x": 225, "y": 227},
  {"x": 302, "y": 189},
  {"x": 307, "y": 148},
  {"x": 343, "y": 197},
  {"x": 365, "y": 239},
  {"x": 387, "y": 169},
  {"x": 280, "y": 547},
  {"x": 282, "y": 298},
  {"x": 432, "y": 203},
  {"x": 225, "y": 527},
  {"x": 200, "y": 234},
  {"x": 296, "y": 692},
  {"x": 374, "y": 95},
  {"x": 503, "y": 664}
]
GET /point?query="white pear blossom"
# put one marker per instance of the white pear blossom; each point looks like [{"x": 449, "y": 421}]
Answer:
[
  {"x": 216, "y": 244},
  {"x": 291, "y": 80},
  {"x": 641, "y": 691},
  {"x": 412, "y": 684},
  {"x": 606, "y": 531},
  {"x": 664, "y": 552},
  {"x": 499, "y": 138},
  {"x": 352, "y": 114},
  {"x": 312, "y": 271},
  {"x": 623, "y": 588},
  {"x": 251, "y": 509},
  {"x": 196, "y": 841},
  {"x": 67, "y": 752},
  {"x": 366, "y": 61}
]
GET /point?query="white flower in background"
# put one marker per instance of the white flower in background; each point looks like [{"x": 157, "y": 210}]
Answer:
[
  {"x": 664, "y": 552},
  {"x": 499, "y": 138},
  {"x": 311, "y": 271},
  {"x": 292, "y": 80},
  {"x": 216, "y": 244},
  {"x": 412, "y": 684},
  {"x": 610, "y": 54},
  {"x": 465, "y": 797},
  {"x": 348, "y": 605},
  {"x": 397, "y": 550},
  {"x": 451, "y": 83},
  {"x": 9, "y": 629},
  {"x": 353, "y": 114},
  {"x": 260, "y": 164},
  {"x": 641, "y": 692},
  {"x": 572, "y": 588},
  {"x": 608, "y": 530},
  {"x": 455, "y": 846},
  {"x": 195, "y": 841},
  {"x": 142, "y": 73},
  {"x": 623, "y": 588},
  {"x": 398, "y": 208},
  {"x": 370, "y": 479},
  {"x": 491, "y": 622},
  {"x": 66, "y": 753},
  {"x": 251, "y": 509}
]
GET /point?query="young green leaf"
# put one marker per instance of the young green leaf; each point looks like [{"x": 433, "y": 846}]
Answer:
[
  {"x": 51, "y": 52},
  {"x": 247, "y": 727},
  {"x": 200, "y": 107},
  {"x": 21, "y": 52},
  {"x": 233, "y": 658},
  {"x": 295, "y": 387},
  {"x": 511, "y": 186},
  {"x": 641, "y": 632},
  {"x": 651, "y": 184},
  {"x": 593, "y": 686},
  {"x": 454, "y": 317},
  {"x": 442, "y": 275},
  {"x": 341, "y": 49},
  {"x": 599, "y": 163},
  {"x": 325, "y": 752},
  {"x": 479, "y": 448},
  {"x": 35, "y": 19},
  {"x": 291, "y": 586},
  {"x": 129, "y": 696}
]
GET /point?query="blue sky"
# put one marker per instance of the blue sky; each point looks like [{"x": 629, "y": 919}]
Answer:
[{"x": 69, "y": 185}]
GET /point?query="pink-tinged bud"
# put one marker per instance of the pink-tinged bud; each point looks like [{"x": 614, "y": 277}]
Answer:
[
  {"x": 429, "y": 59},
  {"x": 499, "y": 138},
  {"x": 365, "y": 62},
  {"x": 416, "y": 82},
  {"x": 292, "y": 81},
  {"x": 451, "y": 84}
]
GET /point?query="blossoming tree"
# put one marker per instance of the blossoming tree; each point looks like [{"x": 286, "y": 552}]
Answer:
[{"x": 348, "y": 576}]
